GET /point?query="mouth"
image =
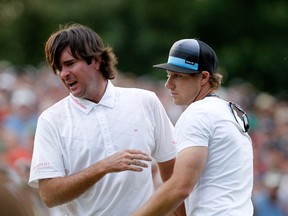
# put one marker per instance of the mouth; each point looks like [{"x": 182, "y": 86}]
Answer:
[
  {"x": 72, "y": 84},
  {"x": 173, "y": 94}
]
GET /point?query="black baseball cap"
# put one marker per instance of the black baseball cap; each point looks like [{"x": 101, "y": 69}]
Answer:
[{"x": 190, "y": 56}]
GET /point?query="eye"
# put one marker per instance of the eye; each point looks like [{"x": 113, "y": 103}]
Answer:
[
  {"x": 177, "y": 75},
  {"x": 172, "y": 75},
  {"x": 69, "y": 63}
]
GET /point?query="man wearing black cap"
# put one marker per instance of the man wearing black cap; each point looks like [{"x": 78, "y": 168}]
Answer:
[{"x": 214, "y": 167}]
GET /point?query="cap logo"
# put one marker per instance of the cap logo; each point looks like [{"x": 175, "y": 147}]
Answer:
[{"x": 183, "y": 63}]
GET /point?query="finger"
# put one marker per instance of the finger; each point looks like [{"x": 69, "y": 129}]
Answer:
[
  {"x": 135, "y": 169},
  {"x": 135, "y": 151},
  {"x": 137, "y": 166},
  {"x": 138, "y": 163},
  {"x": 140, "y": 156}
]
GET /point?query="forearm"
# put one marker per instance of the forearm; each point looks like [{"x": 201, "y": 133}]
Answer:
[
  {"x": 61, "y": 190},
  {"x": 165, "y": 200},
  {"x": 166, "y": 171}
]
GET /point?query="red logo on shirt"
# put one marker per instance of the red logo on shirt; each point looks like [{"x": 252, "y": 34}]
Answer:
[
  {"x": 78, "y": 103},
  {"x": 41, "y": 165}
]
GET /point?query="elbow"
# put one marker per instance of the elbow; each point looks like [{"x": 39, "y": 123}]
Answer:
[
  {"x": 49, "y": 193},
  {"x": 183, "y": 193},
  {"x": 49, "y": 204},
  {"x": 182, "y": 189},
  {"x": 48, "y": 200}
]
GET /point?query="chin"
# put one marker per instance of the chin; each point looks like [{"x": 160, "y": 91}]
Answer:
[
  {"x": 180, "y": 103},
  {"x": 75, "y": 94},
  {"x": 177, "y": 102}
]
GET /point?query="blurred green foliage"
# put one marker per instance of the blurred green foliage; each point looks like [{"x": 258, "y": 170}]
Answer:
[{"x": 249, "y": 37}]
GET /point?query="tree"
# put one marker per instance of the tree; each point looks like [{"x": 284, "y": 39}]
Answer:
[{"x": 249, "y": 37}]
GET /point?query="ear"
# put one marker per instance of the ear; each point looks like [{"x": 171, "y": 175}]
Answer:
[
  {"x": 97, "y": 62},
  {"x": 205, "y": 75}
]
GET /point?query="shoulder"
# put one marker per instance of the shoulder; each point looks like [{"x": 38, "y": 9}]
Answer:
[
  {"x": 136, "y": 94},
  {"x": 206, "y": 111},
  {"x": 125, "y": 90},
  {"x": 56, "y": 109},
  {"x": 140, "y": 99},
  {"x": 209, "y": 106}
]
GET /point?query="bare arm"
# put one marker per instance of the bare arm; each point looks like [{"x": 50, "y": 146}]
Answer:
[
  {"x": 166, "y": 171},
  {"x": 61, "y": 190},
  {"x": 188, "y": 167}
]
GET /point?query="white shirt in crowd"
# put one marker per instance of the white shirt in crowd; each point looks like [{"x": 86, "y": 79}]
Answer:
[{"x": 75, "y": 133}]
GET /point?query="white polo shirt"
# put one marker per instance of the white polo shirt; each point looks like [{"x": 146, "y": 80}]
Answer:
[
  {"x": 226, "y": 183},
  {"x": 75, "y": 133}
]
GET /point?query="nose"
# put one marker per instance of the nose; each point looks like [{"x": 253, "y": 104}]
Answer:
[
  {"x": 169, "y": 84},
  {"x": 64, "y": 72}
]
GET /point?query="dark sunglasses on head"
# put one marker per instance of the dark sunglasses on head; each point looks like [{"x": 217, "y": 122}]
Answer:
[{"x": 244, "y": 116}]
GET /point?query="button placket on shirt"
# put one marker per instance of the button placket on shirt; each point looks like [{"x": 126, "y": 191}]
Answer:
[{"x": 103, "y": 124}]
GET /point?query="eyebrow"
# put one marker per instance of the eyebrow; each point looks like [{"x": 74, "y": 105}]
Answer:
[{"x": 67, "y": 61}]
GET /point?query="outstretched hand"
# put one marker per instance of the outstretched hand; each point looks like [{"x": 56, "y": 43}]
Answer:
[{"x": 126, "y": 160}]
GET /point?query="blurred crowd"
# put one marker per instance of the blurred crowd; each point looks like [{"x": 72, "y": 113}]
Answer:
[{"x": 26, "y": 92}]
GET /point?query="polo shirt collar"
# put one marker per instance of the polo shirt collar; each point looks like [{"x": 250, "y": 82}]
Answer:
[{"x": 108, "y": 100}]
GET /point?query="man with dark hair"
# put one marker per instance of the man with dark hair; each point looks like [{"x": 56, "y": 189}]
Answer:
[{"x": 93, "y": 149}]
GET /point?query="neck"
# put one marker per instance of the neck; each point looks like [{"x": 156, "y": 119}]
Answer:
[
  {"x": 212, "y": 95},
  {"x": 204, "y": 92}
]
